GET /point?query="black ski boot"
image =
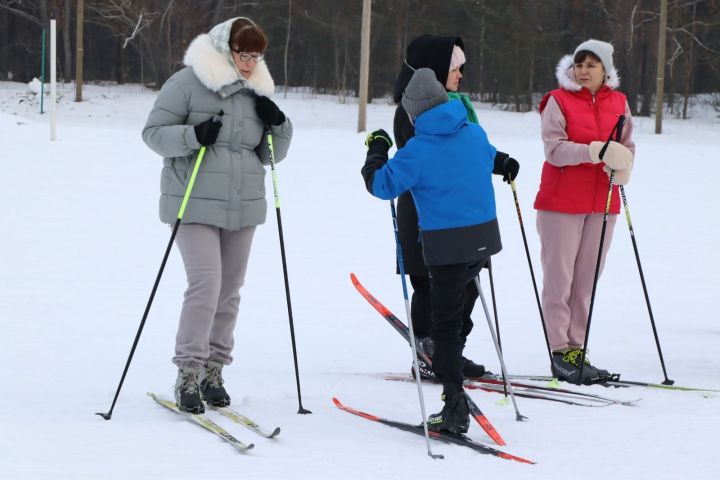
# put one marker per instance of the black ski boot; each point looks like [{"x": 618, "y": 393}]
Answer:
[
  {"x": 211, "y": 386},
  {"x": 187, "y": 393},
  {"x": 566, "y": 367},
  {"x": 603, "y": 375},
  {"x": 455, "y": 415},
  {"x": 471, "y": 369},
  {"x": 425, "y": 347},
  {"x": 426, "y": 373}
]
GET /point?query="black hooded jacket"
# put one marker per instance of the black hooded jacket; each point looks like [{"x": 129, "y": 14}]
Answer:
[{"x": 426, "y": 51}]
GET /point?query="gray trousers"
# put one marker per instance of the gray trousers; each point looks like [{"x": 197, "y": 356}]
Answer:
[
  {"x": 215, "y": 264},
  {"x": 569, "y": 250}
]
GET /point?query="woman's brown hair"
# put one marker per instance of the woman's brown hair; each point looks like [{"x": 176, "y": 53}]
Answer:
[
  {"x": 246, "y": 36},
  {"x": 583, "y": 54}
]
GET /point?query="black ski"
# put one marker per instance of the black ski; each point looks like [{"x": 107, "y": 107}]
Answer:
[
  {"x": 617, "y": 382},
  {"x": 554, "y": 389},
  {"x": 561, "y": 396},
  {"x": 441, "y": 436}
]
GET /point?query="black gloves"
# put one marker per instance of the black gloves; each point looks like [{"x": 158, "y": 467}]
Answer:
[
  {"x": 268, "y": 112},
  {"x": 207, "y": 131},
  {"x": 378, "y": 141},
  {"x": 511, "y": 167},
  {"x": 506, "y": 166}
]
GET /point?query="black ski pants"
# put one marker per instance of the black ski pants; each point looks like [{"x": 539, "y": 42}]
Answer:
[
  {"x": 421, "y": 306},
  {"x": 453, "y": 295}
]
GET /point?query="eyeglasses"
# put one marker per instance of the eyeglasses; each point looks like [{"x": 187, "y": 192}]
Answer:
[{"x": 245, "y": 57}]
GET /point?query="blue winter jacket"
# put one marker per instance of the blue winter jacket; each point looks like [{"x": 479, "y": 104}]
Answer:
[{"x": 447, "y": 167}]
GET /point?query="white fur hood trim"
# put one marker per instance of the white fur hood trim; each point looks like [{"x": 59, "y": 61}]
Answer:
[
  {"x": 215, "y": 71},
  {"x": 566, "y": 76}
]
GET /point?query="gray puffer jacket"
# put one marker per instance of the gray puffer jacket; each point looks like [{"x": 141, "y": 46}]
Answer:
[{"x": 229, "y": 191}]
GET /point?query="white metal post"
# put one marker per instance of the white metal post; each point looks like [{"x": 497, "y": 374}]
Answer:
[{"x": 53, "y": 86}]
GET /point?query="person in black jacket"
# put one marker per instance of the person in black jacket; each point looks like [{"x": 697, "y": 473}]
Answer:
[
  {"x": 445, "y": 56},
  {"x": 447, "y": 166}
]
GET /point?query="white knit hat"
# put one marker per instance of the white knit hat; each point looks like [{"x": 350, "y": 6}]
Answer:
[
  {"x": 602, "y": 50},
  {"x": 457, "y": 59}
]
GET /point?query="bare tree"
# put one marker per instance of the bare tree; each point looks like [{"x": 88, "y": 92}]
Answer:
[
  {"x": 27, "y": 10},
  {"x": 126, "y": 20},
  {"x": 67, "y": 46},
  {"x": 512, "y": 47},
  {"x": 287, "y": 46},
  {"x": 689, "y": 69}
]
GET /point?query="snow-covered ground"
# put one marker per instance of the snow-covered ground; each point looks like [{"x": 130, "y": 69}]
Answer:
[{"x": 81, "y": 245}]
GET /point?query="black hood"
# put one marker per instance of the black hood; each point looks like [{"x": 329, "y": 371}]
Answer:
[{"x": 426, "y": 51}]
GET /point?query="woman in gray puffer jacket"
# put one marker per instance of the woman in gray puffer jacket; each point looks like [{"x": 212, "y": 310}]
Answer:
[{"x": 220, "y": 101}]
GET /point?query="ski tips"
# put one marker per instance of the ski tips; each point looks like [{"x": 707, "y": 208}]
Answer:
[
  {"x": 489, "y": 428},
  {"x": 353, "y": 411},
  {"x": 508, "y": 456},
  {"x": 483, "y": 421},
  {"x": 553, "y": 383}
]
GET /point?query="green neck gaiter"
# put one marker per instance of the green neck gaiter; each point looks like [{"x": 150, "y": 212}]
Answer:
[{"x": 471, "y": 115}]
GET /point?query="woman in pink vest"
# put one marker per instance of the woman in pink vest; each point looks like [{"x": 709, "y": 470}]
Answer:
[{"x": 576, "y": 121}]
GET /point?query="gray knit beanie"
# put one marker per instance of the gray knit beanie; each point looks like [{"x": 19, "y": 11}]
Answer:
[
  {"x": 423, "y": 93},
  {"x": 602, "y": 50}
]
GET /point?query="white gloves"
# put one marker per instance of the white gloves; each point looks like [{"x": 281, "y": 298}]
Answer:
[
  {"x": 617, "y": 157},
  {"x": 622, "y": 177}
]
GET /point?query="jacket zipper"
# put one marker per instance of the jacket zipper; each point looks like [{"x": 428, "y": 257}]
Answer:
[{"x": 599, "y": 133}]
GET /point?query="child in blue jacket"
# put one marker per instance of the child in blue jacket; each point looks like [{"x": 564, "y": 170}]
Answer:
[{"x": 447, "y": 167}]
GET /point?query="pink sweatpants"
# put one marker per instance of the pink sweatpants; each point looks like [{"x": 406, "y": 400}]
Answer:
[{"x": 569, "y": 249}]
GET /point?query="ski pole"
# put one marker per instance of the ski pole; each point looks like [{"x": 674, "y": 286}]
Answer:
[
  {"x": 667, "y": 381},
  {"x": 532, "y": 272},
  {"x": 618, "y": 135},
  {"x": 518, "y": 417},
  {"x": 495, "y": 314},
  {"x": 418, "y": 381},
  {"x": 181, "y": 212},
  {"x": 492, "y": 297},
  {"x": 301, "y": 410}
]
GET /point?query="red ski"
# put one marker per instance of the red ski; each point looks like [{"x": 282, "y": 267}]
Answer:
[
  {"x": 403, "y": 330},
  {"x": 441, "y": 436}
]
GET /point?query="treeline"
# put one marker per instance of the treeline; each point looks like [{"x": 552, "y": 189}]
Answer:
[{"x": 512, "y": 45}]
